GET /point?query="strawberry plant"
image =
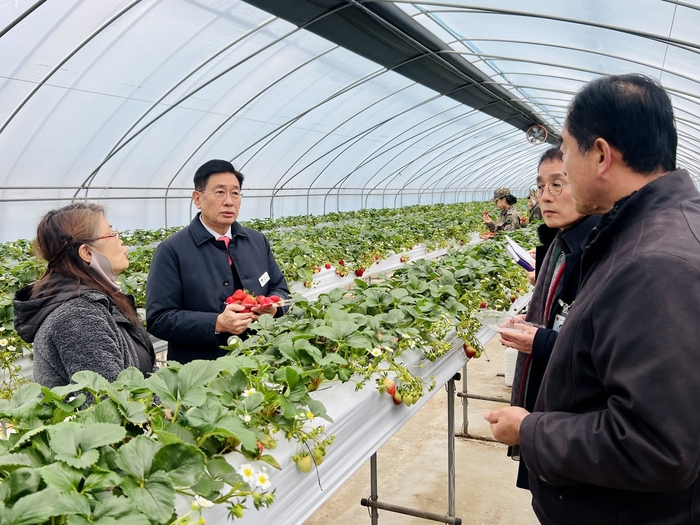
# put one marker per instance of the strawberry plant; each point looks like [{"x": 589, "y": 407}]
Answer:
[{"x": 127, "y": 455}]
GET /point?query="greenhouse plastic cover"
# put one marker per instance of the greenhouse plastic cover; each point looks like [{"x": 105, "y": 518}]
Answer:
[{"x": 323, "y": 105}]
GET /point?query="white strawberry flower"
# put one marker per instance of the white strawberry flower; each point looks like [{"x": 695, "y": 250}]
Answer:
[
  {"x": 246, "y": 472},
  {"x": 376, "y": 351},
  {"x": 201, "y": 502},
  {"x": 11, "y": 348},
  {"x": 262, "y": 480},
  {"x": 245, "y": 417},
  {"x": 3, "y": 342},
  {"x": 249, "y": 392}
]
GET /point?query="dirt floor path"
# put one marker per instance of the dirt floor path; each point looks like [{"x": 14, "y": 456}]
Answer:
[{"x": 412, "y": 465}]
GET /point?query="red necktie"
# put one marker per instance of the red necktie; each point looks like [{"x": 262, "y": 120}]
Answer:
[{"x": 226, "y": 241}]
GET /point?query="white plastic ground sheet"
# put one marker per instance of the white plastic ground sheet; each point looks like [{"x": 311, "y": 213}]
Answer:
[{"x": 363, "y": 422}]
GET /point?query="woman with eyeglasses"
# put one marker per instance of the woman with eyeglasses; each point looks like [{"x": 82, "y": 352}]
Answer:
[
  {"x": 75, "y": 314},
  {"x": 509, "y": 219}
]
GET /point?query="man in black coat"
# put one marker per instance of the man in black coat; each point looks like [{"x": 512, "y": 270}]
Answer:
[
  {"x": 613, "y": 437},
  {"x": 196, "y": 269}
]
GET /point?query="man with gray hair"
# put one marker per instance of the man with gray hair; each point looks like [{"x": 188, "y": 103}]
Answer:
[{"x": 613, "y": 436}]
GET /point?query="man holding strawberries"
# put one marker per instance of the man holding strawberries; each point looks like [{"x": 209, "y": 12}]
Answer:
[{"x": 194, "y": 272}]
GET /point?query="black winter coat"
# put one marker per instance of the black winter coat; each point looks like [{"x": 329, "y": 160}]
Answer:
[
  {"x": 615, "y": 435},
  {"x": 190, "y": 278}
]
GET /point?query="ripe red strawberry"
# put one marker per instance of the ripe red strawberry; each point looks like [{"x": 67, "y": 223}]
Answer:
[
  {"x": 260, "y": 298},
  {"x": 398, "y": 399},
  {"x": 389, "y": 386},
  {"x": 260, "y": 450},
  {"x": 249, "y": 302},
  {"x": 483, "y": 304},
  {"x": 274, "y": 298},
  {"x": 360, "y": 272},
  {"x": 230, "y": 300},
  {"x": 266, "y": 302},
  {"x": 341, "y": 262},
  {"x": 470, "y": 351},
  {"x": 376, "y": 257},
  {"x": 238, "y": 295},
  {"x": 328, "y": 266},
  {"x": 513, "y": 298}
]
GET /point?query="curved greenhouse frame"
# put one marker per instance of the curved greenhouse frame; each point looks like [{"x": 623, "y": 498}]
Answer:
[{"x": 324, "y": 105}]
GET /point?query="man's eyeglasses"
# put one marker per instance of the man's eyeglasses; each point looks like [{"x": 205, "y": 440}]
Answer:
[
  {"x": 113, "y": 233},
  {"x": 554, "y": 188},
  {"x": 220, "y": 195}
]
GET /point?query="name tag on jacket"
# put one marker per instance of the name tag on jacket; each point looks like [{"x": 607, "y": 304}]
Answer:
[{"x": 263, "y": 279}]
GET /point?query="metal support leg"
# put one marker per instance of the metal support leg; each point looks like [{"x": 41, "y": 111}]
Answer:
[
  {"x": 373, "y": 487},
  {"x": 451, "y": 447},
  {"x": 465, "y": 403}
]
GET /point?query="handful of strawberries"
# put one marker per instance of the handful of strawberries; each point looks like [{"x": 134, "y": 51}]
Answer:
[{"x": 249, "y": 301}]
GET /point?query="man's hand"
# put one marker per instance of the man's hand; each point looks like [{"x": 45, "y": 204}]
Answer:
[
  {"x": 233, "y": 320},
  {"x": 257, "y": 311},
  {"x": 521, "y": 341},
  {"x": 505, "y": 424}
]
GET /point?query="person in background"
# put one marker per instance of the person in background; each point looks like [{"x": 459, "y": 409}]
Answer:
[
  {"x": 533, "y": 204},
  {"x": 509, "y": 219},
  {"x": 613, "y": 436},
  {"x": 75, "y": 314},
  {"x": 196, "y": 269},
  {"x": 563, "y": 237}
]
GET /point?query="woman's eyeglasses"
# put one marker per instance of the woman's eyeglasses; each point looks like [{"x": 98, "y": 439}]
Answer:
[{"x": 113, "y": 233}]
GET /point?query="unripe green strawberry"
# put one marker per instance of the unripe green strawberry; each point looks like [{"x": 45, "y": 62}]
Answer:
[
  {"x": 237, "y": 510},
  {"x": 408, "y": 400},
  {"x": 305, "y": 464},
  {"x": 319, "y": 455}
]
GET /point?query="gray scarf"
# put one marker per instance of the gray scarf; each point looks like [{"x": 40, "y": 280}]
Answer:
[{"x": 535, "y": 313}]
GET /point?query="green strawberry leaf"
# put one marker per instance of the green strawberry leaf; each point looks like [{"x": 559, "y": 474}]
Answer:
[
  {"x": 23, "y": 401},
  {"x": 87, "y": 379},
  {"x": 136, "y": 457},
  {"x": 100, "y": 481},
  {"x": 10, "y": 462},
  {"x": 72, "y": 503},
  {"x": 155, "y": 497},
  {"x": 62, "y": 477},
  {"x": 33, "y": 508},
  {"x": 76, "y": 445},
  {"x": 183, "y": 463},
  {"x": 20, "y": 483},
  {"x": 270, "y": 460},
  {"x": 133, "y": 411}
]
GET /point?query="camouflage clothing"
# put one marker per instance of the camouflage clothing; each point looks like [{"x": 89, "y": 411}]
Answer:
[
  {"x": 500, "y": 193},
  {"x": 507, "y": 222},
  {"x": 535, "y": 213}
]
